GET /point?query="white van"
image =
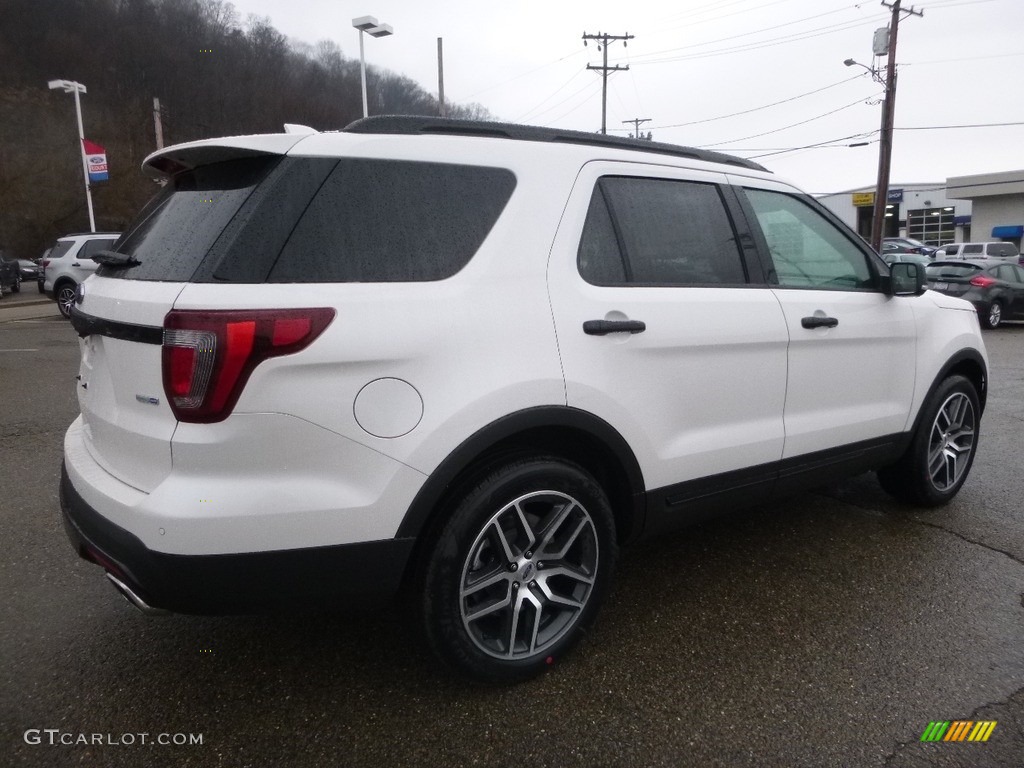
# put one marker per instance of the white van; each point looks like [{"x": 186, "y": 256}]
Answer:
[{"x": 976, "y": 251}]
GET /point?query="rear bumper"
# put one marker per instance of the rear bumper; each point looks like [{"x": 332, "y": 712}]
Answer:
[{"x": 347, "y": 575}]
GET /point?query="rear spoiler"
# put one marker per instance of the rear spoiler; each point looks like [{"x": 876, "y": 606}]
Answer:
[{"x": 169, "y": 161}]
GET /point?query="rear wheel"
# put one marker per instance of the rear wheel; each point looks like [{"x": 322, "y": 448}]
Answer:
[
  {"x": 994, "y": 317},
  {"x": 17, "y": 285},
  {"x": 942, "y": 450},
  {"x": 65, "y": 296},
  {"x": 518, "y": 572}
]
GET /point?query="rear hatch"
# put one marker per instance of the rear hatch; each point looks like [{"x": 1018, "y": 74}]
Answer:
[
  {"x": 952, "y": 278},
  {"x": 179, "y": 237}
]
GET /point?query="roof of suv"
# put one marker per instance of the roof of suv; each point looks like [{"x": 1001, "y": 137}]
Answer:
[{"x": 171, "y": 160}]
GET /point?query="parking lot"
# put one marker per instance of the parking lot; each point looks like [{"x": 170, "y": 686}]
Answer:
[{"x": 827, "y": 630}]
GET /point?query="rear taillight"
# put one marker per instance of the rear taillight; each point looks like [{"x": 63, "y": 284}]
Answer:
[
  {"x": 208, "y": 355},
  {"x": 981, "y": 281}
]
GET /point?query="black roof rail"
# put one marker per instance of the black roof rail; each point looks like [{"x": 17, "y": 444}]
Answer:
[{"x": 412, "y": 124}]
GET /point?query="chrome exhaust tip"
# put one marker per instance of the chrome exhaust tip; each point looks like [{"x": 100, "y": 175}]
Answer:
[{"x": 134, "y": 599}]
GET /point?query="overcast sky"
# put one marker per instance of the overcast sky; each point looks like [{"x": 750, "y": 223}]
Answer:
[{"x": 695, "y": 64}]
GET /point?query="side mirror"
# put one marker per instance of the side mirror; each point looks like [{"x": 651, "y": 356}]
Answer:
[{"x": 906, "y": 279}]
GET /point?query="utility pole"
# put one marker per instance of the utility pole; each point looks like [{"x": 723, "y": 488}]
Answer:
[
  {"x": 603, "y": 38},
  {"x": 440, "y": 77},
  {"x": 158, "y": 126},
  {"x": 888, "y": 115},
  {"x": 636, "y": 125}
]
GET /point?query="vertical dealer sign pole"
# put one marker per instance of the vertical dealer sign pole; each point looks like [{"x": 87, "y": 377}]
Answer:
[{"x": 69, "y": 86}]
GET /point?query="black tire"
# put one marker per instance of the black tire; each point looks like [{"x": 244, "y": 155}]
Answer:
[
  {"x": 994, "y": 317},
  {"x": 40, "y": 286},
  {"x": 17, "y": 285},
  {"x": 528, "y": 602},
  {"x": 65, "y": 296},
  {"x": 941, "y": 453}
]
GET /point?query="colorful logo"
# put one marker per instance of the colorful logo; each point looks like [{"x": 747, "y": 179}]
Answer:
[{"x": 958, "y": 730}]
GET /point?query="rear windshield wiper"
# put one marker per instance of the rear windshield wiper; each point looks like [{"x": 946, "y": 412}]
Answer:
[{"x": 115, "y": 259}]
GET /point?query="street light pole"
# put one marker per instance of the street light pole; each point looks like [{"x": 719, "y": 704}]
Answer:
[
  {"x": 70, "y": 86},
  {"x": 369, "y": 25}
]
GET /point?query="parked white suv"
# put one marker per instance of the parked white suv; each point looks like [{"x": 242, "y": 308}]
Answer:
[
  {"x": 470, "y": 360},
  {"x": 69, "y": 262},
  {"x": 977, "y": 251}
]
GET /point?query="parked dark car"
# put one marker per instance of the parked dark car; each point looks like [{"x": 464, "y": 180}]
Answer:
[
  {"x": 905, "y": 245},
  {"x": 29, "y": 270},
  {"x": 993, "y": 286},
  {"x": 10, "y": 276}
]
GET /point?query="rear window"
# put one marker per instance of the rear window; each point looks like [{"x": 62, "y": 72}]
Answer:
[
  {"x": 394, "y": 221},
  {"x": 173, "y": 233},
  {"x": 934, "y": 271}
]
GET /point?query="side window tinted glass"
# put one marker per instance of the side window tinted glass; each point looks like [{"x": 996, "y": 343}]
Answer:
[
  {"x": 394, "y": 221},
  {"x": 807, "y": 250},
  {"x": 972, "y": 248},
  {"x": 599, "y": 258},
  {"x": 59, "y": 249},
  {"x": 91, "y": 247},
  {"x": 670, "y": 233}
]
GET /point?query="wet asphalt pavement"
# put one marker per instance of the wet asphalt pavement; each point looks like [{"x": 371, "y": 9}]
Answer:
[{"x": 828, "y": 630}]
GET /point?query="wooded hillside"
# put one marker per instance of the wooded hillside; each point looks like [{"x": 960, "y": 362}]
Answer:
[{"x": 214, "y": 73}]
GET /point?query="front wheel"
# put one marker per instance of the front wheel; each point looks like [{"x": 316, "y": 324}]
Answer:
[
  {"x": 17, "y": 285},
  {"x": 518, "y": 572},
  {"x": 941, "y": 453}
]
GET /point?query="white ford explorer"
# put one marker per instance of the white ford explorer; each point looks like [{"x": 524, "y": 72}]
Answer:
[{"x": 467, "y": 361}]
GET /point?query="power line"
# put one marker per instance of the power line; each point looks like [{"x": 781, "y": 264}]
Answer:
[
  {"x": 770, "y": 43},
  {"x": 747, "y": 34},
  {"x": 522, "y": 74},
  {"x": 786, "y": 127},
  {"x": 757, "y": 109},
  {"x": 527, "y": 114},
  {"x": 948, "y": 127}
]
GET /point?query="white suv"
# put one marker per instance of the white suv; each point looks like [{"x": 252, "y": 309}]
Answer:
[
  {"x": 998, "y": 249},
  {"x": 69, "y": 262},
  {"x": 468, "y": 361}
]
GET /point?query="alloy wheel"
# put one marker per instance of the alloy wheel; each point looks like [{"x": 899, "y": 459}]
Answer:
[
  {"x": 528, "y": 575},
  {"x": 951, "y": 441},
  {"x": 65, "y": 299}
]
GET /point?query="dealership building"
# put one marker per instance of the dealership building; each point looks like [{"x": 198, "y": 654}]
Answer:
[{"x": 975, "y": 208}]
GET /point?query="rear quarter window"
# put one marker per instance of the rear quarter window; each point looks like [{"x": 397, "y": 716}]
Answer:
[{"x": 394, "y": 221}]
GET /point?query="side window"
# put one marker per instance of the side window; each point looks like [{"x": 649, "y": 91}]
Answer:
[
  {"x": 394, "y": 221},
  {"x": 600, "y": 259},
  {"x": 973, "y": 249},
  {"x": 807, "y": 250},
  {"x": 658, "y": 232},
  {"x": 91, "y": 247},
  {"x": 1008, "y": 272}
]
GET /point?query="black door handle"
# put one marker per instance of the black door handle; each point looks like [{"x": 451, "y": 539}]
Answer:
[
  {"x": 819, "y": 322},
  {"x": 604, "y": 327}
]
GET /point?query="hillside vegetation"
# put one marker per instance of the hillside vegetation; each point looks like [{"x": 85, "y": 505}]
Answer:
[{"x": 214, "y": 73}]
